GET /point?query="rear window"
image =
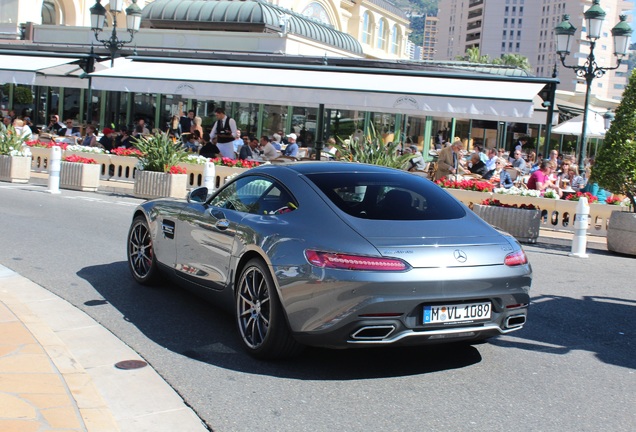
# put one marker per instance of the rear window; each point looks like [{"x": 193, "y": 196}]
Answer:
[{"x": 382, "y": 196}]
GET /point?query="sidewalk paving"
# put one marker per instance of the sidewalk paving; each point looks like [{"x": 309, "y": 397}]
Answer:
[
  {"x": 57, "y": 371},
  {"x": 57, "y": 365}
]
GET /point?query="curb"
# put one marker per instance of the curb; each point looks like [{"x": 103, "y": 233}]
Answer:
[{"x": 84, "y": 354}]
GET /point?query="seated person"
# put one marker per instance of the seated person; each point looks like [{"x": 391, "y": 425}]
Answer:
[
  {"x": 540, "y": 179},
  {"x": 477, "y": 166},
  {"x": 292, "y": 146},
  {"x": 501, "y": 176},
  {"x": 249, "y": 151},
  {"x": 54, "y": 125},
  {"x": 69, "y": 129},
  {"x": 123, "y": 139},
  {"x": 416, "y": 163},
  {"x": 107, "y": 141},
  {"x": 268, "y": 151},
  {"x": 194, "y": 141},
  {"x": 209, "y": 149},
  {"x": 519, "y": 163},
  {"x": 90, "y": 139},
  {"x": 570, "y": 177}
]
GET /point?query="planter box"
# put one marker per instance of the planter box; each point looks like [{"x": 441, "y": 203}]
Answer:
[
  {"x": 80, "y": 176},
  {"x": 15, "y": 169},
  {"x": 149, "y": 185},
  {"x": 522, "y": 224},
  {"x": 621, "y": 233}
]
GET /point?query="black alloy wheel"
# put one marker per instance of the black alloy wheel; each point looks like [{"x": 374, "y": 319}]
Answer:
[
  {"x": 262, "y": 325},
  {"x": 141, "y": 256}
]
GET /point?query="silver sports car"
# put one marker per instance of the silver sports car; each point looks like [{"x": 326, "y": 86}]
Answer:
[{"x": 338, "y": 255}]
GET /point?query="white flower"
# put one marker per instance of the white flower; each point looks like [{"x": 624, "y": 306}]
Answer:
[
  {"x": 85, "y": 149},
  {"x": 196, "y": 159}
]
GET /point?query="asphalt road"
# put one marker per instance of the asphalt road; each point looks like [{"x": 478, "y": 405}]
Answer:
[{"x": 572, "y": 368}]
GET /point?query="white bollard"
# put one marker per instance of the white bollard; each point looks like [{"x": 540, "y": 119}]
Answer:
[
  {"x": 55, "y": 164},
  {"x": 579, "y": 242},
  {"x": 209, "y": 176}
]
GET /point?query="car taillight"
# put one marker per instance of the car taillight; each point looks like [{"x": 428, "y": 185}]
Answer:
[
  {"x": 516, "y": 258},
  {"x": 353, "y": 262}
]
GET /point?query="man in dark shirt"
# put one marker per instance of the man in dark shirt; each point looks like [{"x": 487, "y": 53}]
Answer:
[{"x": 478, "y": 166}]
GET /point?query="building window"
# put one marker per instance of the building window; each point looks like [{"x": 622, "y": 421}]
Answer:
[
  {"x": 382, "y": 34},
  {"x": 366, "y": 28},
  {"x": 395, "y": 40}
]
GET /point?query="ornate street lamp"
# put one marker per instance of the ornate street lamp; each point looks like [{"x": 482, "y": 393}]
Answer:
[
  {"x": 564, "y": 33},
  {"x": 98, "y": 16}
]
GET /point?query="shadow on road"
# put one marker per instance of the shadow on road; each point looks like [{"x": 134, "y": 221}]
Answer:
[
  {"x": 188, "y": 325},
  {"x": 559, "y": 325}
]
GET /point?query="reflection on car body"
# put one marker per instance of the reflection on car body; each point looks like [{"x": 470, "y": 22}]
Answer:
[{"x": 337, "y": 255}]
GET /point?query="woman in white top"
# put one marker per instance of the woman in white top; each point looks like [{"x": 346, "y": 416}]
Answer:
[{"x": 21, "y": 129}]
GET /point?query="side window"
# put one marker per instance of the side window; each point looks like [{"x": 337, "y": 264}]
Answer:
[
  {"x": 257, "y": 195},
  {"x": 275, "y": 201}
]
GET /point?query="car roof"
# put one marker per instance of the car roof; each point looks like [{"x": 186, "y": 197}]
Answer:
[{"x": 306, "y": 168}]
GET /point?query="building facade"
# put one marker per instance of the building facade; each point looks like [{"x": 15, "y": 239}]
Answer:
[
  {"x": 381, "y": 28},
  {"x": 429, "y": 44},
  {"x": 526, "y": 28}
]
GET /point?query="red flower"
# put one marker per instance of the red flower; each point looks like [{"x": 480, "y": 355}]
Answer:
[
  {"x": 175, "y": 169},
  {"x": 497, "y": 203},
  {"x": 79, "y": 159},
  {"x": 590, "y": 198},
  {"x": 40, "y": 144},
  {"x": 126, "y": 152},
  {"x": 613, "y": 200},
  {"x": 475, "y": 185}
]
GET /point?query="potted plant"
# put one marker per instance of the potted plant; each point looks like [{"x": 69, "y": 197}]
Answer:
[
  {"x": 79, "y": 173},
  {"x": 615, "y": 170},
  {"x": 15, "y": 157},
  {"x": 158, "y": 174},
  {"x": 371, "y": 149},
  {"x": 522, "y": 221}
]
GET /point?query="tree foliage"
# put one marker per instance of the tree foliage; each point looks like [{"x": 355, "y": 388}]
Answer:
[
  {"x": 473, "y": 55},
  {"x": 615, "y": 165}
]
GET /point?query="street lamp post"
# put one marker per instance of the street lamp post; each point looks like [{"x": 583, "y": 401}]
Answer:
[
  {"x": 564, "y": 32},
  {"x": 98, "y": 16}
]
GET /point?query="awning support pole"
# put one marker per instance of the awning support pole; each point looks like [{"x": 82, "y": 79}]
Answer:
[{"x": 320, "y": 130}]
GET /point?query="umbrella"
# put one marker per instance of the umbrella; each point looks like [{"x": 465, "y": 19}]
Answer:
[{"x": 574, "y": 126}]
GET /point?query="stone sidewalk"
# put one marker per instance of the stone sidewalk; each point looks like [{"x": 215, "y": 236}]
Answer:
[{"x": 57, "y": 371}]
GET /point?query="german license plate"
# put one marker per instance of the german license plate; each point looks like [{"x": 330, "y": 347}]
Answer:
[{"x": 443, "y": 314}]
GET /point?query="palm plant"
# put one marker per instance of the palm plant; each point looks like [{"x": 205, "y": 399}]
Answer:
[
  {"x": 160, "y": 152},
  {"x": 12, "y": 143},
  {"x": 372, "y": 150}
]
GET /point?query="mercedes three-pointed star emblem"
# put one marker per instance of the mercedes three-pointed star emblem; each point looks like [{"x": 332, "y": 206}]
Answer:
[{"x": 460, "y": 255}]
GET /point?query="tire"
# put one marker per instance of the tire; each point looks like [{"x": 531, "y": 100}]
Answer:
[
  {"x": 141, "y": 255},
  {"x": 261, "y": 322}
]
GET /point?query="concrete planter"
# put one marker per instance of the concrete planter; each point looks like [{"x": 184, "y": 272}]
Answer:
[
  {"x": 522, "y": 224},
  {"x": 149, "y": 185},
  {"x": 80, "y": 176},
  {"x": 621, "y": 233},
  {"x": 15, "y": 169}
]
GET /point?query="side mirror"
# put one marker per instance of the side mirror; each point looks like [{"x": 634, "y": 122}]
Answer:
[{"x": 198, "y": 195}]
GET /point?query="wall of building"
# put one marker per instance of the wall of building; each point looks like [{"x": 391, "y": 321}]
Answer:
[{"x": 501, "y": 32}]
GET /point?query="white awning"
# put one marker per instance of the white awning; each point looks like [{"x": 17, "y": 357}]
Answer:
[
  {"x": 23, "y": 69},
  {"x": 386, "y": 91},
  {"x": 595, "y": 127}
]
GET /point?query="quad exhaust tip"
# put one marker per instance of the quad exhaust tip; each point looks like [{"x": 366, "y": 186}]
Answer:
[{"x": 373, "y": 332}]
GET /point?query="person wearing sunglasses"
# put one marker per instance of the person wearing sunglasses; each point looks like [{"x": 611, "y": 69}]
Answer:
[{"x": 69, "y": 129}]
